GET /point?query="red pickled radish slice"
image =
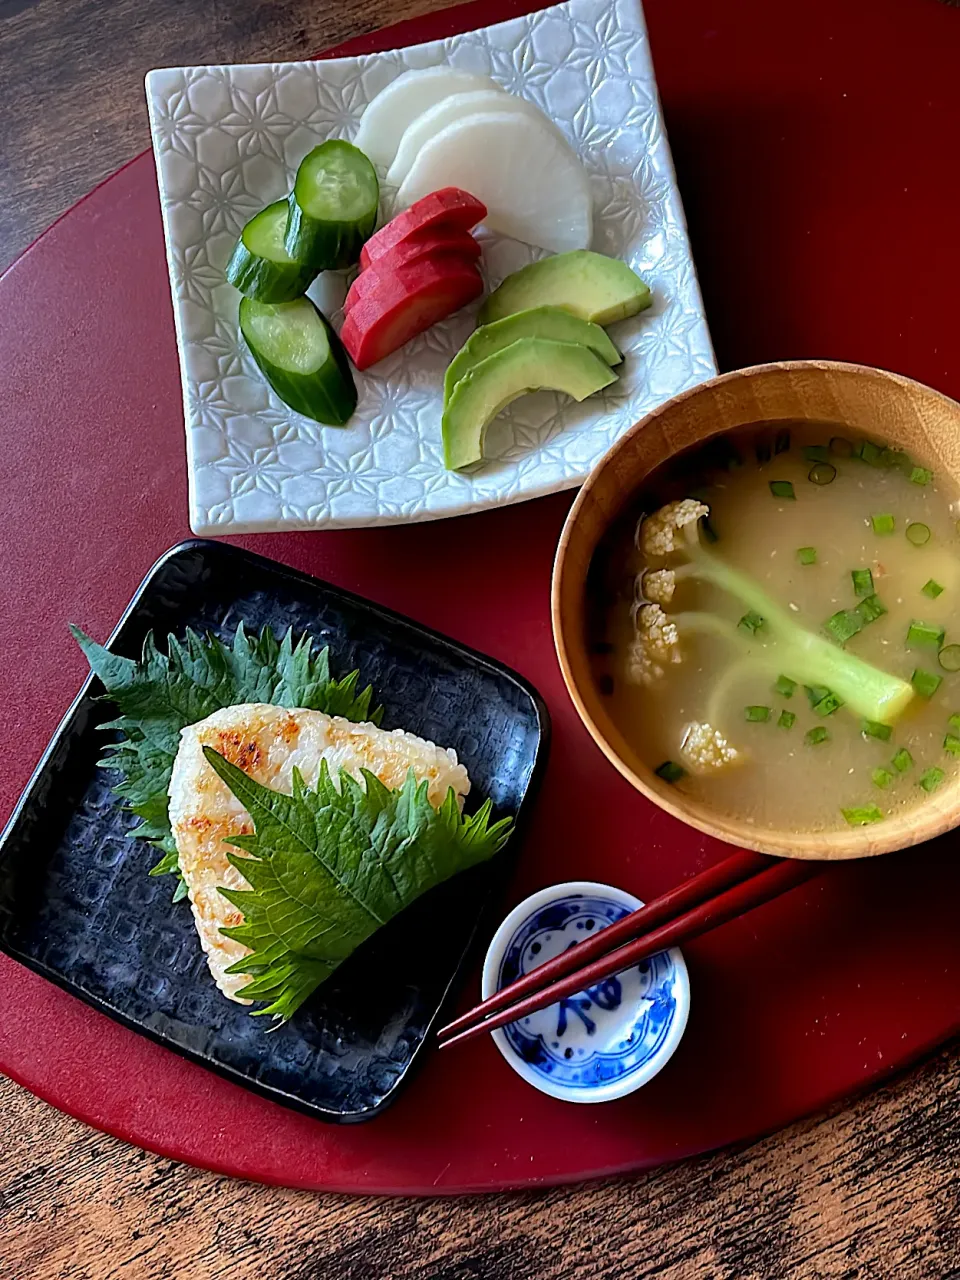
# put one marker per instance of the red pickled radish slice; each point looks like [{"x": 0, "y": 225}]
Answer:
[
  {"x": 406, "y": 304},
  {"x": 456, "y": 251},
  {"x": 448, "y": 208}
]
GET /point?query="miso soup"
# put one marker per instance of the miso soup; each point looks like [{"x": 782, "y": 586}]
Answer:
[{"x": 775, "y": 624}]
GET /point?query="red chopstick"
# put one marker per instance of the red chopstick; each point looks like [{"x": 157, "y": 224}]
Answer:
[
  {"x": 699, "y": 888},
  {"x": 730, "y": 889}
]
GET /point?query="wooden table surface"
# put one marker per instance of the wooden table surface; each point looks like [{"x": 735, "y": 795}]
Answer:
[{"x": 871, "y": 1190}]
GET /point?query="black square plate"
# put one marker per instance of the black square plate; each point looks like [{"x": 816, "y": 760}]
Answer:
[{"x": 77, "y": 906}]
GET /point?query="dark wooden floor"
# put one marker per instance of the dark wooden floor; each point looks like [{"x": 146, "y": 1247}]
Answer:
[{"x": 872, "y": 1190}]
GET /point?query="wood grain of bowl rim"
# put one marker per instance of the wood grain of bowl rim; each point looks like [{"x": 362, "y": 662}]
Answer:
[{"x": 859, "y": 398}]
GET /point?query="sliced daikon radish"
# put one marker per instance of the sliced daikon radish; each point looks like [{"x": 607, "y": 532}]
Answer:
[
  {"x": 388, "y": 115},
  {"x": 531, "y": 181},
  {"x": 449, "y": 111}
]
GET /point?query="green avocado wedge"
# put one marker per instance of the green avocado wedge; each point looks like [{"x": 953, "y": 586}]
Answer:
[
  {"x": 590, "y": 285},
  {"x": 529, "y": 364},
  {"x": 538, "y": 322}
]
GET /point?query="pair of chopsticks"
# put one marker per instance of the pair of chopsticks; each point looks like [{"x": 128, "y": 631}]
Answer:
[{"x": 729, "y": 889}]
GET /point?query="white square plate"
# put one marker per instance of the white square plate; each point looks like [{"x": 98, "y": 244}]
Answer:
[{"x": 228, "y": 141}]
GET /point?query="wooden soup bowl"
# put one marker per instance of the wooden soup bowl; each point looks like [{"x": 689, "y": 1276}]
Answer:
[{"x": 855, "y": 399}]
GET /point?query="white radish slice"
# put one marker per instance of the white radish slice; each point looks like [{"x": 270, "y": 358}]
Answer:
[
  {"x": 391, "y": 111},
  {"x": 449, "y": 111},
  {"x": 531, "y": 181}
]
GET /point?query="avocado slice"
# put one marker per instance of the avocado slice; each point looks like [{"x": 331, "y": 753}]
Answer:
[
  {"x": 590, "y": 285},
  {"x": 529, "y": 364},
  {"x": 538, "y": 322}
]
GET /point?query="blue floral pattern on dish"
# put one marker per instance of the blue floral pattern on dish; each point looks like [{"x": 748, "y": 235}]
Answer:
[{"x": 604, "y": 1033}]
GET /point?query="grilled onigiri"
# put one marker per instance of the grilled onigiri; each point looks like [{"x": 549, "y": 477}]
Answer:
[{"x": 267, "y": 743}]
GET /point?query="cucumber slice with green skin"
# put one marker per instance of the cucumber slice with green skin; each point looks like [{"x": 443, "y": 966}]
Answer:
[
  {"x": 538, "y": 322},
  {"x": 528, "y": 364},
  {"x": 333, "y": 206},
  {"x": 260, "y": 266},
  {"x": 301, "y": 357}
]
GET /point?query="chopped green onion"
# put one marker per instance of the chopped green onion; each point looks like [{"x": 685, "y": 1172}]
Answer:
[
  {"x": 932, "y": 588},
  {"x": 815, "y": 693},
  {"x": 869, "y": 452},
  {"x": 925, "y": 683},
  {"x": 813, "y": 737},
  {"x": 874, "y": 729},
  {"x": 781, "y": 441},
  {"x": 951, "y": 743},
  {"x": 721, "y": 455},
  {"x": 782, "y": 489},
  {"x": 844, "y": 625},
  {"x": 823, "y": 473},
  {"x": 949, "y": 657},
  {"x": 883, "y": 523},
  {"x": 918, "y": 533},
  {"x": 931, "y": 779},
  {"x": 670, "y": 772},
  {"x": 751, "y": 622},
  {"x": 828, "y": 705},
  {"x": 786, "y": 719},
  {"x": 954, "y": 722},
  {"x": 903, "y": 760},
  {"x": 762, "y": 449},
  {"x": 921, "y": 633},
  {"x": 807, "y": 555},
  {"x": 841, "y": 448},
  {"x": 862, "y": 582},
  {"x": 757, "y": 715},
  {"x": 816, "y": 453},
  {"x": 881, "y": 778},
  {"x": 785, "y": 686},
  {"x": 871, "y": 608},
  {"x": 920, "y": 475},
  {"x": 863, "y": 816},
  {"x": 894, "y": 458}
]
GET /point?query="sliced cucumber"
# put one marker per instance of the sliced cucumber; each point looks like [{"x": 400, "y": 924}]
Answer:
[
  {"x": 260, "y": 266},
  {"x": 538, "y": 322},
  {"x": 333, "y": 206},
  {"x": 301, "y": 357}
]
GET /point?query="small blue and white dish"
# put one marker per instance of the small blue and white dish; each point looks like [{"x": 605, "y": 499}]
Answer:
[{"x": 606, "y": 1041}]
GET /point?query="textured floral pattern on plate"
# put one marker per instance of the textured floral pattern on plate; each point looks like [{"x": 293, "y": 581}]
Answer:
[{"x": 228, "y": 141}]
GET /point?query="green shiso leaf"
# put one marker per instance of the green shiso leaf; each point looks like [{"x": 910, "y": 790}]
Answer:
[
  {"x": 161, "y": 694},
  {"x": 327, "y": 868}
]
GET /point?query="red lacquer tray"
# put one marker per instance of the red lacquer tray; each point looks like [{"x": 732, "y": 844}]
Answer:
[{"x": 816, "y": 154}]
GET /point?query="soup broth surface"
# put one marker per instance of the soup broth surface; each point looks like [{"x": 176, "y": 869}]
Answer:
[{"x": 781, "y": 779}]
